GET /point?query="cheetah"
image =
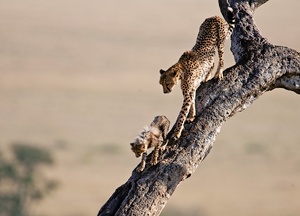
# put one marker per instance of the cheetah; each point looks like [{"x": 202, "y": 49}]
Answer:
[
  {"x": 153, "y": 136},
  {"x": 196, "y": 66}
]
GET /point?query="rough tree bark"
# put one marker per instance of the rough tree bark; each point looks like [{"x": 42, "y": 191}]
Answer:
[{"x": 260, "y": 67}]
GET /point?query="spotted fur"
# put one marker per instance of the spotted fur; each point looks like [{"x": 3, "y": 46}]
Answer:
[
  {"x": 196, "y": 66},
  {"x": 151, "y": 136}
]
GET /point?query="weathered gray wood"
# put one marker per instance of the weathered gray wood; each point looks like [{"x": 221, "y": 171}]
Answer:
[{"x": 260, "y": 67}]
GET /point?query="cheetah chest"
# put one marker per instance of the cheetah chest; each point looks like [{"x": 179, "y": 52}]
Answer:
[{"x": 202, "y": 73}]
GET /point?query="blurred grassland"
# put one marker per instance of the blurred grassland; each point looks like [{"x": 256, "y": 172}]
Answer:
[{"x": 81, "y": 78}]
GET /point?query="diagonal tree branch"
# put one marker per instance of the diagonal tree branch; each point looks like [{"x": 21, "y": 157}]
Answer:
[{"x": 260, "y": 67}]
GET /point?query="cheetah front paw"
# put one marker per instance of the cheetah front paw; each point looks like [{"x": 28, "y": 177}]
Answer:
[
  {"x": 190, "y": 118},
  {"x": 175, "y": 137},
  {"x": 163, "y": 147},
  {"x": 140, "y": 169},
  {"x": 153, "y": 162}
]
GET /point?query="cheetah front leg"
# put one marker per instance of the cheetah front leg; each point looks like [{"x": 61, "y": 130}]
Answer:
[
  {"x": 187, "y": 103},
  {"x": 155, "y": 154},
  {"x": 143, "y": 162}
]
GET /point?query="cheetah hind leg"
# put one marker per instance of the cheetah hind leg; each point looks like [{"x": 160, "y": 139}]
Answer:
[
  {"x": 161, "y": 146},
  {"x": 219, "y": 73},
  {"x": 220, "y": 47},
  {"x": 192, "y": 111},
  {"x": 191, "y": 115}
]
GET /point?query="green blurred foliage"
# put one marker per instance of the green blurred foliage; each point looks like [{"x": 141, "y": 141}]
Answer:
[{"x": 21, "y": 182}]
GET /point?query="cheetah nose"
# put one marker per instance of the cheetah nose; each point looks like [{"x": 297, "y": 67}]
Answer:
[{"x": 166, "y": 91}]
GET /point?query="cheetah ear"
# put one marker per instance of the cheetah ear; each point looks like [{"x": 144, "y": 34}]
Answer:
[
  {"x": 131, "y": 144},
  {"x": 161, "y": 71}
]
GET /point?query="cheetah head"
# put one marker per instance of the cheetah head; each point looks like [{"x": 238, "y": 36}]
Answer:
[
  {"x": 138, "y": 147},
  {"x": 170, "y": 77}
]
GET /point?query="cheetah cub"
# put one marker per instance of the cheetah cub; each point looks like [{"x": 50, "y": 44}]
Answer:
[
  {"x": 196, "y": 66},
  {"x": 151, "y": 136}
]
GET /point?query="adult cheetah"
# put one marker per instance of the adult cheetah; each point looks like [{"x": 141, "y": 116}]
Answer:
[{"x": 196, "y": 66}]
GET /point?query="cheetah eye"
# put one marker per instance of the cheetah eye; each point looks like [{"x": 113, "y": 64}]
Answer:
[{"x": 174, "y": 73}]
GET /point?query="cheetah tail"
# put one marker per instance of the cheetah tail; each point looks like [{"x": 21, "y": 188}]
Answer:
[{"x": 230, "y": 18}]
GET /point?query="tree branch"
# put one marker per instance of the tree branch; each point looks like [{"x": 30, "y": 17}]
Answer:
[
  {"x": 260, "y": 67},
  {"x": 289, "y": 82}
]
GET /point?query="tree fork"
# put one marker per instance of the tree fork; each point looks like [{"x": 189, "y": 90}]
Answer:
[{"x": 260, "y": 67}]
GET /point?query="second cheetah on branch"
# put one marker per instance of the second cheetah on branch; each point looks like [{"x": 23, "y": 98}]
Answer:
[{"x": 153, "y": 136}]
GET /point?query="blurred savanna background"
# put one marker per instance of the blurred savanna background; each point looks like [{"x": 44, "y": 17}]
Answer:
[{"x": 79, "y": 79}]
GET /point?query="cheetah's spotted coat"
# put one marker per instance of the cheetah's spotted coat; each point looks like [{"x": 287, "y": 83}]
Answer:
[{"x": 196, "y": 66}]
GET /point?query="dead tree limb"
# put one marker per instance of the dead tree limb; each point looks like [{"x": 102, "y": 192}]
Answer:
[{"x": 260, "y": 67}]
